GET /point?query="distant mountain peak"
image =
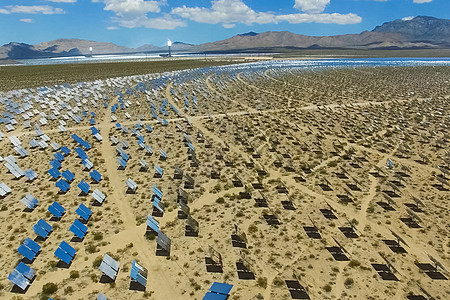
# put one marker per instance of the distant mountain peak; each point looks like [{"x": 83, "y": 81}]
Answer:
[
  {"x": 420, "y": 28},
  {"x": 251, "y": 33}
]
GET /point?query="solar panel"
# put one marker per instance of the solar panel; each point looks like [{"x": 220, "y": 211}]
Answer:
[
  {"x": 158, "y": 170},
  {"x": 34, "y": 143},
  {"x": 131, "y": 184},
  {"x": 101, "y": 297},
  {"x": 80, "y": 152},
  {"x": 54, "y": 172},
  {"x": 95, "y": 175},
  {"x": 148, "y": 150},
  {"x": 18, "y": 279},
  {"x": 213, "y": 296},
  {"x": 78, "y": 228},
  {"x": 138, "y": 273},
  {"x": 29, "y": 201},
  {"x": 152, "y": 224},
  {"x": 157, "y": 192},
  {"x": 26, "y": 252},
  {"x": 162, "y": 154},
  {"x": 98, "y": 196},
  {"x": 221, "y": 288},
  {"x": 4, "y": 189},
  {"x": 26, "y": 271},
  {"x": 158, "y": 205},
  {"x": 163, "y": 241},
  {"x": 58, "y": 156},
  {"x": 30, "y": 174},
  {"x": 109, "y": 267},
  {"x": 42, "y": 228},
  {"x": 55, "y": 164},
  {"x": 144, "y": 165},
  {"x": 84, "y": 187},
  {"x": 65, "y": 150},
  {"x": 69, "y": 176},
  {"x": 84, "y": 212},
  {"x": 32, "y": 245},
  {"x": 56, "y": 209},
  {"x": 55, "y": 146},
  {"x": 122, "y": 163},
  {"x": 63, "y": 255},
  {"x": 62, "y": 185},
  {"x": 87, "y": 164},
  {"x": 67, "y": 248}
]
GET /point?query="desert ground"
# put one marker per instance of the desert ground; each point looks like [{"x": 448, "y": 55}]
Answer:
[{"x": 281, "y": 168}]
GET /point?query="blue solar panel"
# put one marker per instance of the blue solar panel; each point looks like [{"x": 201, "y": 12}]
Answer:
[
  {"x": 80, "y": 152},
  {"x": 125, "y": 156},
  {"x": 157, "y": 192},
  {"x": 84, "y": 186},
  {"x": 18, "y": 279},
  {"x": 58, "y": 156},
  {"x": 118, "y": 126},
  {"x": 25, "y": 270},
  {"x": 77, "y": 231},
  {"x": 122, "y": 162},
  {"x": 84, "y": 113},
  {"x": 62, "y": 185},
  {"x": 92, "y": 121},
  {"x": 54, "y": 172},
  {"x": 153, "y": 224},
  {"x": 66, "y": 247},
  {"x": 65, "y": 150},
  {"x": 212, "y": 296},
  {"x": 96, "y": 175},
  {"x": 80, "y": 225},
  {"x": 30, "y": 174},
  {"x": 138, "y": 273},
  {"x": 26, "y": 252},
  {"x": 44, "y": 225},
  {"x": 56, "y": 209},
  {"x": 62, "y": 255},
  {"x": 55, "y": 164},
  {"x": 221, "y": 288},
  {"x": 40, "y": 231},
  {"x": 94, "y": 130},
  {"x": 159, "y": 170},
  {"x": 68, "y": 175},
  {"x": 83, "y": 211},
  {"x": 32, "y": 245}
]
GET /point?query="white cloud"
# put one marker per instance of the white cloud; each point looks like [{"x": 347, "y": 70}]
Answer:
[
  {"x": 131, "y": 7},
  {"x": 63, "y": 1},
  {"x": 408, "y": 18},
  {"x": 134, "y": 13},
  {"x": 35, "y": 9},
  {"x": 112, "y": 27},
  {"x": 147, "y": 13},
  {"x": 26, "y": 20},
  {"x": 422, "y": 1},
  {"x": 224, "y": 11},
  {"x": 311, "y": 6},
  {"x": 229, "y": 12}
]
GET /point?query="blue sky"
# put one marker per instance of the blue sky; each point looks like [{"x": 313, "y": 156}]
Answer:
[{"x": 136, "y": 22}]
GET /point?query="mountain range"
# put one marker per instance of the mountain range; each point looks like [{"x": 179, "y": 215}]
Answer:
[{"x": 421, "y": 32}]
